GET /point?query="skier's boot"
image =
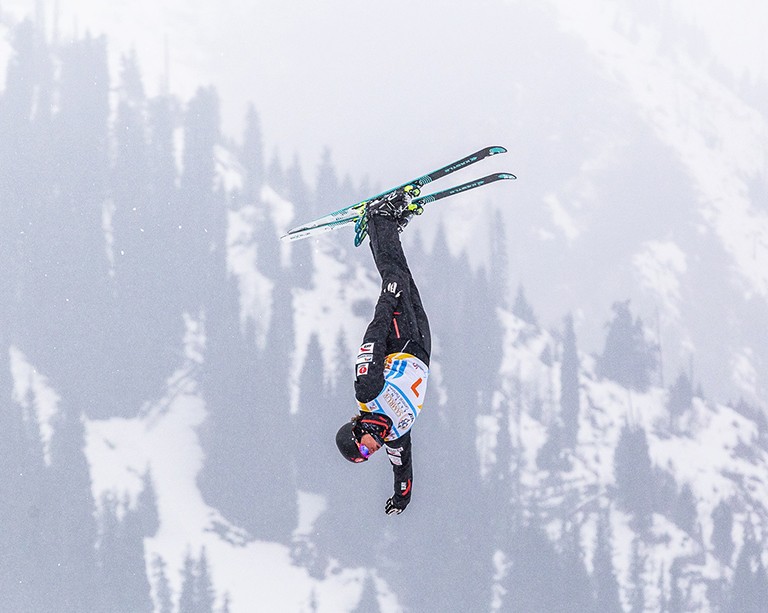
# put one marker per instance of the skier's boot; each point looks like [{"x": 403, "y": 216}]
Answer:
[{"x": 397, "y": 205}]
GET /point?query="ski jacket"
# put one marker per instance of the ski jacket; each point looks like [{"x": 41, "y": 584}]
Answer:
[{"x": 392, "y": 412}]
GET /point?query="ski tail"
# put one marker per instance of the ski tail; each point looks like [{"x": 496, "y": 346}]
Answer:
[
  {"x": 354, "y": 210},
  {"x": 361, "y": 229}
]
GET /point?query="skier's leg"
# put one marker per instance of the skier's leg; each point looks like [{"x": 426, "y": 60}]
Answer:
[
  {"x": 411, "y": 322},
  {"x": 386, "y": 248}
]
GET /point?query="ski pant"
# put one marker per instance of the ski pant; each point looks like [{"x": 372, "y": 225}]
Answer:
[
  {"x": 399, "y": 322},
  {"x": 409, "y": 328}
]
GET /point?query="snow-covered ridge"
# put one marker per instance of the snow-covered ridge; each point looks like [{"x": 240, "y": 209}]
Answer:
[{"x": 712, "y": 449}]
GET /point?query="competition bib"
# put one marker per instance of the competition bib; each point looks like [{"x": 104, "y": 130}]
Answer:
[{"x": 401, "y": 398}]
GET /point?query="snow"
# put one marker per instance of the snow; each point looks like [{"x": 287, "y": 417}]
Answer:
[
  {"x": 743, "y": 371},
  {"x": 562, "y": 219},
  {"x": 659, "y": 266},
  {"x": 243, "y": 262},
  {"x": 311, "y": 507},
  {"x": 33, "y": 392},
  {"x": 487, "y": 434},
  {"x": 229, "y": 172}
]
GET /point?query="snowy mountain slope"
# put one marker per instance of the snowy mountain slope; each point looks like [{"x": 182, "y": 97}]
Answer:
[
  {"x": 721, "y": 141},
  {"x": 687, "y": 265},
  {"x": 713, "y": 449},
  {"x": 164, "y": 442},
  {"x": 647, "y": 181}
]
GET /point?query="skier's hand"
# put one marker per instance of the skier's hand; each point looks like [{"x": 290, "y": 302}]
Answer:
[
  {"x": 395, "y": 506},
  {"x": 393, "y": 289}
]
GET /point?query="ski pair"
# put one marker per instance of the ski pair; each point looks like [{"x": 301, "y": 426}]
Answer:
[
  {"x": 354, "y": 212},
  {"x": 361, "y": 223}
]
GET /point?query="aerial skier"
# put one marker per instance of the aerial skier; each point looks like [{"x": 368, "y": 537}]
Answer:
[{"x": 393, "y": 362}]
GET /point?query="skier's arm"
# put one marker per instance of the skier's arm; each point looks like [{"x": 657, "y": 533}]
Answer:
[{"x": 399, "y": 454}]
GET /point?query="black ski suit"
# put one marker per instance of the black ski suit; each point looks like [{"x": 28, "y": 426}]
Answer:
[{"x": 398, "y": 332}]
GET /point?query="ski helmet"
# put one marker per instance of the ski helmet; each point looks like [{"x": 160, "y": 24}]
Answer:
[{"x": 347, "y": 443}]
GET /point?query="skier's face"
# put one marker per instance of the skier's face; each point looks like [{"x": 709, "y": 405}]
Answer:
[{"x": 369, "y": 443}]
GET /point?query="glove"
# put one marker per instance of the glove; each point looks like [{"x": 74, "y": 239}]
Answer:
[
  {"x": 391, "y": 288},
  {"x": 395, "y": 507}
]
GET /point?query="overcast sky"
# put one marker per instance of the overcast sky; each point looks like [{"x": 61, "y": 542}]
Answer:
[{"x": 437, "y": 78}]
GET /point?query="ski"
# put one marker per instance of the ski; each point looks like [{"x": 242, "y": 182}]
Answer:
[
  {"x": 352, "y": 211},
  {"x": 361, "y": 229}
]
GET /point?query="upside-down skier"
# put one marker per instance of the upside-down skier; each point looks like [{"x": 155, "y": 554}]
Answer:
[{"x": 393, "y": 363}]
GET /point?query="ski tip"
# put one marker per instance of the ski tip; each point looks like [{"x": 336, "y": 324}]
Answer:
[
  {"x": 496, "y": 149},
  {"x": 506, "y": 175}
]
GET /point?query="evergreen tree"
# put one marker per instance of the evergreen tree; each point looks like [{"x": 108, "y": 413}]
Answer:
[
  {"x": 665, "y": 492},
  {"x": 634, "y": 475},
  {"x": 203, "y": 220},
  {"x": 74, "y": 293},
  {"x": 20, "y": 159},
  {"x": 499, "y": 265},
  {"x": 604, "y": 576},
  {"x": 685, "y": 513},
  {"x": 502, "y": 487},
  {"x": 722, "y": 530},
  {"x": 328, "y": 191},
  {"x": 252, "y": 157},
  {"x": 576, "y": 584},
  {"x": 245, "y": 434},
  {"x": 677, "y": 600},
  {"x": 523, "y": 309},
  {"x": 109, "y": 573},
  {"x": 146, "y": 507},
  {"x": 534, "y": 581},
  {"x": 139, "y": 252},
  {"x": 197, "y": 593},
  {"x": 680, "y": 395},
  {"x": 637, "y": 596},
  {"x": 551, "y": 455},
  {"x": 71, "y": 508},
  {"x": 163, "y": 594},
  {"x": 166, "y": 224},
  {"x": 301, "y": 252},
  {"x": 123, "y": 583},
  {"x": 188, "y": 597},
  {"x": 206, "y": 596},
  {"x": 276, "y": 175},
  {"x": 369, "y": 600},
  {"x": 627, "y": 358},
  {"x": 749, "y": 588},
  {"x": 225, "y": 606},
  {"x": 27, "y": 560},
  {"x": 569, "y": 385},
  {"x": 313, "y": 476}
]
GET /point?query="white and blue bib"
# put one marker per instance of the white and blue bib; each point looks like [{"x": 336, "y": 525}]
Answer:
[{"x": 401, "y": 398}]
